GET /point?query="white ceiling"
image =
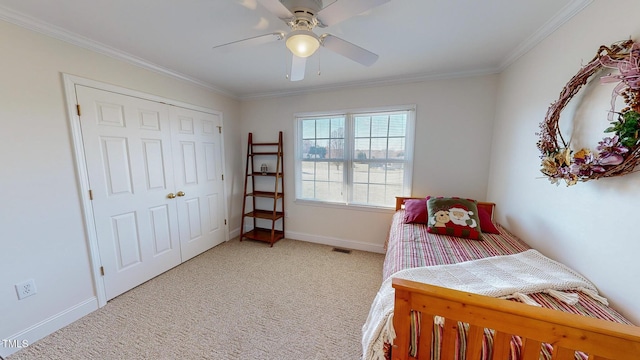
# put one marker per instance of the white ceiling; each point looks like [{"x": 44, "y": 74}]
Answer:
[{"x": 415, "y": 39}]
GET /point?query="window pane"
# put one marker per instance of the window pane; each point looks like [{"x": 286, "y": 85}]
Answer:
[
  {"x": 337, "y": 127},
  {"x": 363, "y": 126},
  {"x": 323, "y": 143},
  {"x": 396, "y": 148},
  {"x": 336, "y": 171},
  {"x": 322, "y": 128},
  {"x": 322, "y": 171},
  {"x": 308, "y": 190},
  {"x": 308, "y": 170},
  {"x": 360, "y": 193},
  {"x": 308, "y": 129},
  {"x": 362, "y": 147},
  {"x": 361, "y": 172},
  {"x": 377, "y": 194},
  {"x": 398, "y": 125},
  {"x": 322, "y": 190},
  {"x": 336, "y": 144},
  {"x": 335, "y": 192},
  {"x": 336, "y": 149},
  {"x": 395, "y": 174},
  {"x": 378, "y": 174},
  {"x": 379, "y": 126},
  {"x": 379, "y": 148},
  {"x": 306, "y": 146},
  {"x": 391, "y": 193},
  {"x": 318, "y": 150}
]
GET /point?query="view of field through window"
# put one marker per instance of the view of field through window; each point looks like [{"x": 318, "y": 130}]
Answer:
[{"x": 356, "y": 159}]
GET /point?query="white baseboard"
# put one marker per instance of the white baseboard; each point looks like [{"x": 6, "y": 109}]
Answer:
[
  {"x": 342, "y": 243},
  {"x": 325, "y": 240},
  {"x": 46, "y": 327},
  {"x": 234, "y": 233}
]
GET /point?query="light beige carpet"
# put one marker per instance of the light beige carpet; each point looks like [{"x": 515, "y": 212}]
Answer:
[{"x": 240, "y": 300}]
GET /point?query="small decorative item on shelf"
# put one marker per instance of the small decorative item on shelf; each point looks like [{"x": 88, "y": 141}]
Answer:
[
  {"x": 264, "y": 169},
  {"x": 615, "y": 155}
]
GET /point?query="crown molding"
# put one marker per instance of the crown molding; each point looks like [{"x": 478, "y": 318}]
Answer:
[
  {"x": 553, "y": 24},
  {"x": 396, "y": 80},
  {"x": 570, "y": 10},
  {"x": 56, "y": 32}
]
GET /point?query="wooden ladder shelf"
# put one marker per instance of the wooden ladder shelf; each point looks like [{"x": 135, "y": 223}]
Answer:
[{"x": 263, "y": 208}]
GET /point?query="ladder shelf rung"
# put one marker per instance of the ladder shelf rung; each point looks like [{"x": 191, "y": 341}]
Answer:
[
  {"x": 265, "y": 194},
  {"x": 263, "y": 153},
  {"x": 257, "y": 173},
  {"x": 265, "y": 144},
  {"x": 265, "y": 214},
  {"x": 261, "y": 234}
]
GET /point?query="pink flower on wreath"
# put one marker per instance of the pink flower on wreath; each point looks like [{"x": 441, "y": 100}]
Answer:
[
  {"x": 629, "y": 76},
  {"x": 611, "y": 151}
]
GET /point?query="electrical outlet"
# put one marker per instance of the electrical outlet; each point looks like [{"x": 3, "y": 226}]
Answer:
[{"x": 26, "y": 289}]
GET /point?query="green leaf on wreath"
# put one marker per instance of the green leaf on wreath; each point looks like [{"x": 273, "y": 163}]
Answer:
[
  {"x": 631, "y": 116},
  {"x": 628, "y": 141}
]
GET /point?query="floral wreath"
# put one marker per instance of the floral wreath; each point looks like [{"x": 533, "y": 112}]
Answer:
[{"x": 616, "y": 155}]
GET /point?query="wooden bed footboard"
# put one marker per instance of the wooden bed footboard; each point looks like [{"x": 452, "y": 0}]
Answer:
[{"x": 566, "y": 332}]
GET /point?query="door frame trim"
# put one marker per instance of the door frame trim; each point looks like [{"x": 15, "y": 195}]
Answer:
[{"x": 70, "y": 82}]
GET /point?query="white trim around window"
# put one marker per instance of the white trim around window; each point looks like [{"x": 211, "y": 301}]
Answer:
[{"x": 358, "y": 157}]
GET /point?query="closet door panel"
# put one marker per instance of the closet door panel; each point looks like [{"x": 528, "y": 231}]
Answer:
[
  {"x": 198, "y": 176},
  {"x": 127, "y": 144}
]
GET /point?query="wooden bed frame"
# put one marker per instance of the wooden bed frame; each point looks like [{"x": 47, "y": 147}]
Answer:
[{"x": 566, "y": 332}]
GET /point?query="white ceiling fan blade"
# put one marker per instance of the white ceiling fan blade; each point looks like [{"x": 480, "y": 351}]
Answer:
[
  {"x": 343, "y": 9},
  {"x": 349, "y": 50},
  {"x": 256, "y": 40},
  {"x": 298, "y": 65},
  {"x": 277, "y": 8}
]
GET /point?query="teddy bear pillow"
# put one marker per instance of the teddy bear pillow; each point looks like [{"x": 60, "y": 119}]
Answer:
[{"x": 453, "y": 216}]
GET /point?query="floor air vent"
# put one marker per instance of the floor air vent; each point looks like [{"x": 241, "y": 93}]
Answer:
[{"x": 344, "y": 251}]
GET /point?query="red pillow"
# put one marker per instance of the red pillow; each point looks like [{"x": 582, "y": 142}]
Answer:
[
  {"x": 486, "y": 225},
  {"x": 415, "y": 211}
]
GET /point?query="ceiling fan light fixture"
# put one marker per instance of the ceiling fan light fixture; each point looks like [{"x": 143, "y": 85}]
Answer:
[{"x": 302, "y": 43}]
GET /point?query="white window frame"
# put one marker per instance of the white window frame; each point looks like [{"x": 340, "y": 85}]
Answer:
[{"x": 350, "y": 158}]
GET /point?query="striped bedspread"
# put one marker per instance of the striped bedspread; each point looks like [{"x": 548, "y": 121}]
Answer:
[{"x": 410, "y": 246}]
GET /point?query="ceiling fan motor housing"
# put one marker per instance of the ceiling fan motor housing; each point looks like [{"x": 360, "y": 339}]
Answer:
[{"x": 303, "y": 8}]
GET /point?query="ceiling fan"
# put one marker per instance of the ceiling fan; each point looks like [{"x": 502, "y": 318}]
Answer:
[{"x": 302, "y": 16}]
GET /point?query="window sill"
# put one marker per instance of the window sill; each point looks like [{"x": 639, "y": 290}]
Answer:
[{"x": 354, "y": 207}]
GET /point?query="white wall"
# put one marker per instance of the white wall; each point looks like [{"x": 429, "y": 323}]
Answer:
[
  {"x": 453, "y": 128},
  {"x": 589, "y": 226},
  {"x": 42, "y": 234}
]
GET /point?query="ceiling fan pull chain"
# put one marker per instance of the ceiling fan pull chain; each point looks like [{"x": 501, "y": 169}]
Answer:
[
  {"x": 319, "y": 58},
  {"x": 286, "y": 67}
]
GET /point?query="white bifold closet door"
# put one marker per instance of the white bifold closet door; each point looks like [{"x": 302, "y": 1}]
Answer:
[
  {"x": 197, "y": 162},
  {"x": 155, "y": 175}
]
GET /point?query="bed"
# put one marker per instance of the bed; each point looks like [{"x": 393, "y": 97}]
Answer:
[{"x": 423, "y": 310}]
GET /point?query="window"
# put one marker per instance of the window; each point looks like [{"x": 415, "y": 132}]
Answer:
[{"x": 358, "y": 158}]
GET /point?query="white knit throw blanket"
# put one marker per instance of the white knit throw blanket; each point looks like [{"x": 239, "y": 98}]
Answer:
[{"x": 508, "y": 276}]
